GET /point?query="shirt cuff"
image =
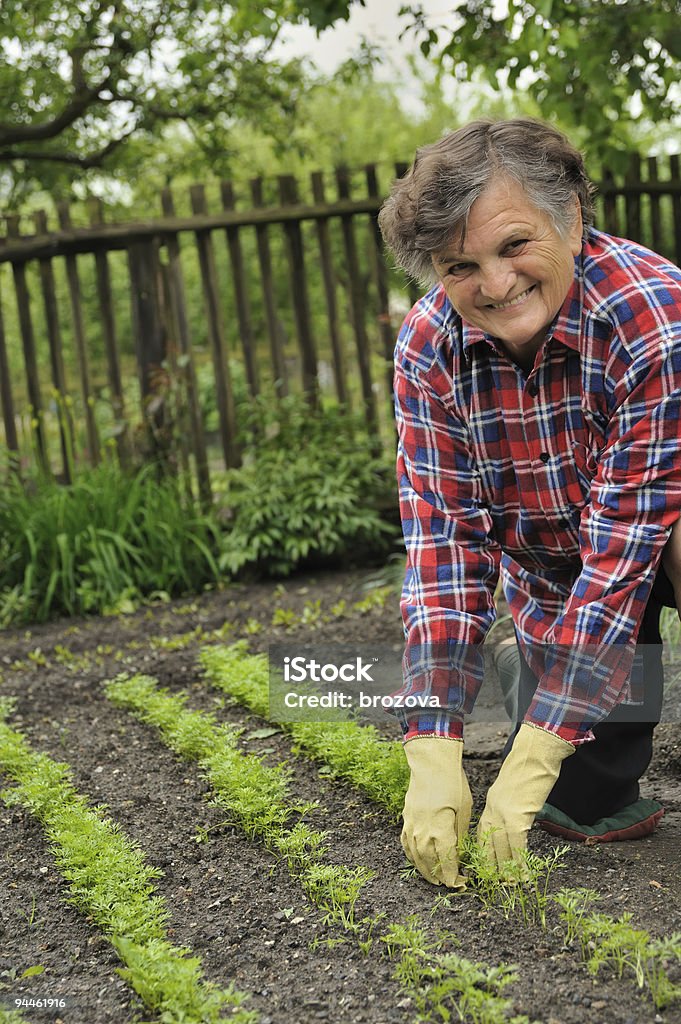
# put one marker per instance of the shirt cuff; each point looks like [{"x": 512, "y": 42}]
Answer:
[
  {"x": 446, "y": 726},
  {"x": 572, "y": 734}
]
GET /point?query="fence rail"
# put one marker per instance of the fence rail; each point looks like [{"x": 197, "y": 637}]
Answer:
[{"x": 219, "y": 306}]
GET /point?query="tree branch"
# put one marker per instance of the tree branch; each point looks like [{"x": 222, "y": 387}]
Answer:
[
  {"x": 85, "y": 162},
  {"x": 10, "y": 134}
]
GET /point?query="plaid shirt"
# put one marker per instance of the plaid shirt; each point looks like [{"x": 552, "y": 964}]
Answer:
[{"x": 566, "y": 482}]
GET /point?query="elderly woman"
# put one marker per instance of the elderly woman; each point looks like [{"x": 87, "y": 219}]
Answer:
[{"x": 538, "y": 398}]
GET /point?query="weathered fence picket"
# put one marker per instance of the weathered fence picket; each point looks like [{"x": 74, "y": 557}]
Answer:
[{"x": 315, "y": 311}]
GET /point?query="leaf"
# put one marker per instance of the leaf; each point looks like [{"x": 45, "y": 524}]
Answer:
[
  {"x": 262, "y": 734},
  {"x": 30, "y": 972}
]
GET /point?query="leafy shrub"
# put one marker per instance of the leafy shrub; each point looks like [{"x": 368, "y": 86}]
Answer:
[{"x": 311, "y": 487}]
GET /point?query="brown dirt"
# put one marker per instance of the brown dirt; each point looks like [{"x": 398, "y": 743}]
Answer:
[{"x": 229, "y": 899}]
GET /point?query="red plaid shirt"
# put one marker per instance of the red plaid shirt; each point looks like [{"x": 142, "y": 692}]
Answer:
[{"x": 566, "y": 482}]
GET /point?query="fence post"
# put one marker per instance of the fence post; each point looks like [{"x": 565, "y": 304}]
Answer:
[
  {"x": 632, "y": 201},
  {"x": 66, "y": 431},
  {"x": 223, "y": 385},
  {"x": 384, "y": 322},
  {"x": 28, "y": 342},
  {"x": 357, "y": 307},
  {"x": 288, "y": 195},
  {"x": 610, "y": 223},
  {"x": 267, "y": 279},
  {"x": 243, "y": 309},
  {"x": 64, "y": 216},
  {"x": 149, "y": 339},
  {"x": 330, "y": 293},
  {"x": 106, "y": 308},
  {"x": 676, "y": 206},
  {"x": 414, "y": 290},
  {"x": 6, "y": 391},
  {"x": 176, "y": 299}
]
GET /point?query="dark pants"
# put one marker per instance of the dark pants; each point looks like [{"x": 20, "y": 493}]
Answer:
[{"x": 602, "y": 776}]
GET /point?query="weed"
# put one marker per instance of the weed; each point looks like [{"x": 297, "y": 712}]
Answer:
[{"x": 100, "y": 544}]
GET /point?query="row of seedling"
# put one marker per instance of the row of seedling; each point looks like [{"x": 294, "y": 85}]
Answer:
[
  {"x": 255, "y": 797},
  {"x": 358, "y": 754},
  {"x": 110, "y": 881}
]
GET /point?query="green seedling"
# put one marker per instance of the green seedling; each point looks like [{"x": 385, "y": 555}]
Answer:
[
  {"x": 336, "y": 889},
  {"x": 30, "y": 917},
  {"x": 376, "y": 598},
  {"x": 521, "y": 886},
  {"x": 285, "y": 617},
  {"x": 179, "y": 642},
  {"x": 255, "y": 795},
  {"x": 574, "y": 904},
  {"x": 442, "y": 983},
  {"x": 110, "y": 881},
  {"x": 37, "y": 657},
  {"x": 11, "y": 1017},
  {"x": 352, "y": 752},
  {"x": 631, "y": 950},
  {"x": 299, "y": 846}
]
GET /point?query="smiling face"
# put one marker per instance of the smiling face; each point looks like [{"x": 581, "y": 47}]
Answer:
[{"x": 513, "y": 270}]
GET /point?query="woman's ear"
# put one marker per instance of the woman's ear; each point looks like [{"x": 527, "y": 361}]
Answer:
[{"x": 576, "y": 228}]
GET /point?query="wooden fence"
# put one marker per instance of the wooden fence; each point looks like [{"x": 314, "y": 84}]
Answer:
[{"x": 299, "y": 298}]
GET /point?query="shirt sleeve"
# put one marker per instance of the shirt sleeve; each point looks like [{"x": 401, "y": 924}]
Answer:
[
  {"x": 635, "y": 499},
  {"x": 452, "y": 561}
]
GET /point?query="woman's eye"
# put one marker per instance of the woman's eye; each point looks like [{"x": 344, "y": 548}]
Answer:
[
  {"x": 516, "y": 245},
  {"x": 457, "y": 269}
]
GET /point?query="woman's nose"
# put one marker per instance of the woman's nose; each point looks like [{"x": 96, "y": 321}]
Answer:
[{"x": 496, "y": 281}]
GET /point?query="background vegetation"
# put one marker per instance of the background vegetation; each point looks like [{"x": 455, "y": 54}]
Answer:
[{"x": 115, "y": 99}]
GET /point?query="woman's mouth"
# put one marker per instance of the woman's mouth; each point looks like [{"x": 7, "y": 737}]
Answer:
[{"x": 512, "y": 302}]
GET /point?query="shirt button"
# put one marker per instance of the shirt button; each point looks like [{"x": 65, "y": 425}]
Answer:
[
  {"x": 564, "y": 523},
  {"x": 544, "y": 457},
  {"x": 532, "y": 390}
]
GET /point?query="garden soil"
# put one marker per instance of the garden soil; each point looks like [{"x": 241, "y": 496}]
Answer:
[{"x": 230, "y": 900}]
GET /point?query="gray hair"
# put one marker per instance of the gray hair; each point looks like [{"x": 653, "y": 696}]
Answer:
[{"x": 430, "y": 205}]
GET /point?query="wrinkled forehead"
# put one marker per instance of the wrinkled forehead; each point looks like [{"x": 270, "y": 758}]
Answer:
[{"x": 501, "y": 213}]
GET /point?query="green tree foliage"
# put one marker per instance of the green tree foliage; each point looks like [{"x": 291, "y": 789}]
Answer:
[
  {"x": 80, "y": 77},
  {"x": 599, "y": 66}
]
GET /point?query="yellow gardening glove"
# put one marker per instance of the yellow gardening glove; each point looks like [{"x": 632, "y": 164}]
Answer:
[
  {"x": 437, "y": 808},
  {"x": 525, "y": 780}
]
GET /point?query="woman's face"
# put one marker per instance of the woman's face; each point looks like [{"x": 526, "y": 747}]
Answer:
[{"x": 513, "y": 270}]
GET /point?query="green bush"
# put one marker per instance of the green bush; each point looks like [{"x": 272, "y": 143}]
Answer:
[
  {"x": 99, "y": 544},
  {"x": 311, "y": 488}
]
